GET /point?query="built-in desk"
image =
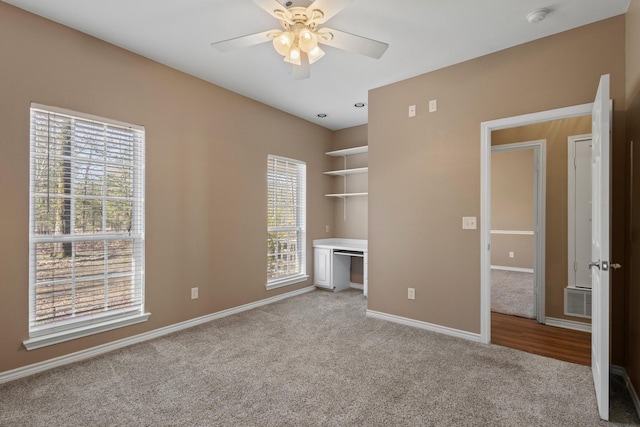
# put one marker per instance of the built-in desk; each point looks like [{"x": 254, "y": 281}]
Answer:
[{"x": 332, "y": 262}]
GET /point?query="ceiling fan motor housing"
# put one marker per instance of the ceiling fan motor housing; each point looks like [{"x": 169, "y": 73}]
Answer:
[{"x": 296, "y": 3}]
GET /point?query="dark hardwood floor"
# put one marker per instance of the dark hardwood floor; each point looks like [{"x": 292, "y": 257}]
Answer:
[{"x": 530, "y": 336}]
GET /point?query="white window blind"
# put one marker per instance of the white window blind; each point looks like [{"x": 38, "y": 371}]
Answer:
[
  {"x": 86, "y": 228},
  {"x": 286, "y": 213}
]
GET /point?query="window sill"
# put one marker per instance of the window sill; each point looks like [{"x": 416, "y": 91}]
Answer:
[
  {"x": 278, "y": 283},
  {"x": 71, "y": 334}
]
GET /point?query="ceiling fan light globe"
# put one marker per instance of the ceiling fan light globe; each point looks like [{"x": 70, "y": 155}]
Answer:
[
  {"x": 307, "y": 40},
  {"x": 315, "y": 54},
  {"x": 282, "y": 44},
  {"x": 294, "y": 56}
]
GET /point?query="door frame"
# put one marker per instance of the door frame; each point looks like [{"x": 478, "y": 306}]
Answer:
[
  {"x": 485, "y": 195},
  {"x": 539, "y": 148}
]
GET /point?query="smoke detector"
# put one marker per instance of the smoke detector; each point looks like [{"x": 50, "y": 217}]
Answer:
[{"x": 537, "y": 16}]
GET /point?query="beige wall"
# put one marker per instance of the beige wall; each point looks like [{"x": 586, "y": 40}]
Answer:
[
  {"x": 632, "y": 295},
  {"x": 512, "y": 207},
  {"x": 352, "y": 223},
  {"x": 522, "y": 247},
  {"x": 556, "y": 134},
  {"x": 632, "y": 48},
  {"x": 424, "y": 172},
  {"x": 206, "y": 155}
]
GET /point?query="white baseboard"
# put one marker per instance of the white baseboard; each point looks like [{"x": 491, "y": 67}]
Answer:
[
  {"x": 622, "y": 372},
  {"x": 568, "y": 324},
  {"x": 356, "y": 286},
  {"x": 35, "y": 368},
  {"x": 424, "y": 325},
  {"x": 506, "y": 268}
]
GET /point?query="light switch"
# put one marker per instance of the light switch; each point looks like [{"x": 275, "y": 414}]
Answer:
[
  {"x": 412, "y": 110},
  {"x": 469, "y": 223},
  {"x": 433, "y": 105}
]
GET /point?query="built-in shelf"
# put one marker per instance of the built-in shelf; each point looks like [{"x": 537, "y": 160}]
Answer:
[
  {"x": 347, "y": 171},
  {"x": 343, "y": 195},
  {"x": 348, "y": 151}
]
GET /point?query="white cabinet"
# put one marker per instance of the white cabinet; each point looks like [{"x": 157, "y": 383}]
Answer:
[
  {"x": 332, "y": 262},
  {"x": 345, "y": 172},
  {"x": 322, "y": 267}
]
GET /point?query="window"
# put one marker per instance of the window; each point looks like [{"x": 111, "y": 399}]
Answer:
[
  {"x": 86, "y": 227},
  {"x": 286, "y": 214}
]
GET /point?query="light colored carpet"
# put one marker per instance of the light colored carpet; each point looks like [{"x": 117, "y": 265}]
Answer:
[
  {"x": 512, "y": 293},
  {"x": 312, "y": 360}
]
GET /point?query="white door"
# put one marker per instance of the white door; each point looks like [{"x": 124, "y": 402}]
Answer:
[
  {"x": 601, "y": 125},
  {"x": 580, "y": 212},
  {"x": 322, "y": 267}
]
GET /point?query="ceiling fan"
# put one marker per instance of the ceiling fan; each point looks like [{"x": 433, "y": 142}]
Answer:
[{"x": 299, "y": 39}]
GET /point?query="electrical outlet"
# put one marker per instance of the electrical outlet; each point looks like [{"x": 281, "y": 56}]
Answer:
[
  {"x": 412, "y": 110},
  {"x": 326, "y": 228},
  {"x": 411, "y": 293},
  {"x": 194, "y": 293},
  {"x": 433, "y": 105},
  {"x": 511, "y": 254}
]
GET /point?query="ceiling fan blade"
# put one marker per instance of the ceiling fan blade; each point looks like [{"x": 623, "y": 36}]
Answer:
[
  {"x": 273, "y": 8},
  {"x": 243, "y": 41},
  {"x": 352, "y": 43},
  {"x": 302, "y": 71},
  {"x": 329, "y": 9}
]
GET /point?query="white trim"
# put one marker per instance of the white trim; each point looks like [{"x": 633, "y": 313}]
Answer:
[
  {"x": 513, "y": 232},
  {"x": 83, "y": 331},
  {"x": 485, "y": 196},
  {"x": 287, "y": 281},
  {"x": 35, "y": 368},
  {"x": 423, "y": 325},
  {"x": 507, "y": 268},
  {"x": 622, "y": 372},
  {"x": 568, "y": 324},
  {"x": 358, "y": 286},
  {"x": 90, "y": 117}
]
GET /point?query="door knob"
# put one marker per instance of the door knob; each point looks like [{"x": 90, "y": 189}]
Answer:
[{"x": 604, "y": 265}]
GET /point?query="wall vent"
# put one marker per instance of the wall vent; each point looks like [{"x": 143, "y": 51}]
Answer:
[{"x": 577, "y": 302}]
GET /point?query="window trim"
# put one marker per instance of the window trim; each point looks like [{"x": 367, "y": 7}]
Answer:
[
  {"x": 302, "y": 276},
  {"x": 84, "y": 331},
  {"x": 54, "y": 333}
]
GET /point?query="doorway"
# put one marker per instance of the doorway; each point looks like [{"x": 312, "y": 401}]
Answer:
[
  {"x": 487, "y": 129},
  {"x": 518, "y": 229}
]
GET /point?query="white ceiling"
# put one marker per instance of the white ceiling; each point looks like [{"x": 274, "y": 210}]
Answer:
[{"x": 423, "y": 35}]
